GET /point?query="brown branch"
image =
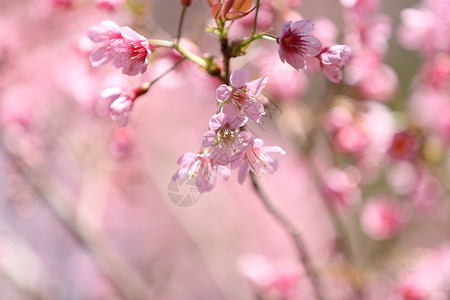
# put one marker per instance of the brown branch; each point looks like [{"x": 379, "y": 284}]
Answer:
[
  {"x": 294, "y": 232},
  {"x": 128, "y": 282}
]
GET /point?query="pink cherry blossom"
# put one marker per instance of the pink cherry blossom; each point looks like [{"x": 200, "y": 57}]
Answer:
[
  {"x": 243, "y": 95},
  {"x": 257, "y": 159},
  {"x": 109, "y": 5},
  {"x": 296, "y": 43},
  {"x": 106, "y": 34},
  {"x": 201, "y": 168},
  {"x": 276, "y": 280},
  {"x": 342, "y": 186},
  {"x": 427, "y": 279},
  {"x": 382, "y": 218},
  {"x": 405, "y": 145},
  {"x": 225, "y": 139},
  {"x": 128, "y": 49},
  {"x": 121, "y": 103},
  {"x": 334, "y": 59},
  {"x": 131, "y": 54}
]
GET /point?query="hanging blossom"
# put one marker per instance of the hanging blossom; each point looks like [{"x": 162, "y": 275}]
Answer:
[
  {"x": 296, "y": 43},
  {"x": 125, "y": 47},
  {"x": 257, "y": 159},
  {"x": 120, "y": 103},
  {"x": 225, "y": 139},
  {"x": 240, "y": 99},
  {"x": 334, "y": 59},
  {"x": 201, "y": 168}
]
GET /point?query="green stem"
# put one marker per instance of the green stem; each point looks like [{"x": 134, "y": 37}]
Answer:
[
  {"x": 186, "y": 53},
  {"x": 180, "y": 24},
  {"x": 256, "y": 17}
]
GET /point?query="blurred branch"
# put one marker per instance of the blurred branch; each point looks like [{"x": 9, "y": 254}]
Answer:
[
  {"x": 294, "y": 232},
  {"x": 126, "y": 279}
]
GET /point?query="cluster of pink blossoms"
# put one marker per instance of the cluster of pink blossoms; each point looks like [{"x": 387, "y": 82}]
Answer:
[
  {"x": 297, "y": 42},
  {"x": 226, "y": 142}
]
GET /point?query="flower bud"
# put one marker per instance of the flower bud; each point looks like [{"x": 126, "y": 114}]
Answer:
[{"x": 186, "y": 3}]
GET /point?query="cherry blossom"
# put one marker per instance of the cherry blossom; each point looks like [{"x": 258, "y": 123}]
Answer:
[
  {"x": 243, "y": 96},
  {"x": 202, "y": 169},
  {"x": 296, "y": 43},
  {"x": 334, "y": 59},
  {"x": 128, "y": 49},
  {"x": 225, "y": 139},
  {"x": 257, "y": 159}
]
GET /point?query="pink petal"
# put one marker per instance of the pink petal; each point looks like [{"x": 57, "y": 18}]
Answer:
[
  {"x": 332, "y": 72},
  {"x": 223, "y": 93},
  {"x": 239, "y": 78},
  {"x": 255, "y": 87},
  {"x": 296, "y": 60},
  {"x": 254, "y": 111},
  {"x": 112, "y": 93},
  {"x": 233, "y": 116},
  {"x": 258, "y": 143},
  {"x": 244, "y": 141},
  {"x": 303, "y": 27},
  {"x": 100, "y": 57},
  {"x": 274, "y": 149},
  {"x": 312, "y": 47},
  {"x": 208, "y": 138},
  {"x": 223, "y": 172},
  {"x": 243, "y": 171},
  {"x": 286, "y": 27},
  {"x": 217, "y": 121},
  {"x": 236, "y": 160},
  {"x": 221, "y": 156}
]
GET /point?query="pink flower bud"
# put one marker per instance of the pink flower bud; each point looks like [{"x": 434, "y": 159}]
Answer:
[{"x": 186, "y": 3}]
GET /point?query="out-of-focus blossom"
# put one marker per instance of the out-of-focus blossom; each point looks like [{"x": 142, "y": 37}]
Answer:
[
  {"x": 122, "y": 142},
  {"x": 286, "y": 84},
  {"x": 428, "y": 279},
  {"x": 342, "y": 185},
  {"x": 361, "y": 6},
  {"x": 382, "y": 218},
  {"x": 128, "y": 49},
  {"x": 200, "y": 168},
  {"x": 369, "y": 33},
  {"x": 296, "y": 43},
  {"x": 426, "y": 28},
  {"x": 427, "y": 192},
  {"x": 109, "y": 5},
  {"x": 373, "y": 79},
  {"x": 334, "y": 59},
  {"x": 405, "y": 145},
  {"x": 278, "y": 280},
  {"x": 402, "y": 177},
  {"x": 121, "y": 103},
  {"x": 241, "y": 95},
  {"x": 225, "y": 139},
  {"x": 257, "y": 159},
  {"x": 326, "y": 31}
]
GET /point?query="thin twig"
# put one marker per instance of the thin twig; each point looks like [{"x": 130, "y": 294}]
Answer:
[
  {"x": 294, "y": 232},
  {"x": 129, "y": 283},
  {"x": 180, "y": 24}
]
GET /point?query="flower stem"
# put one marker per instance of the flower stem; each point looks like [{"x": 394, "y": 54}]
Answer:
[
  {"x": 180, "y": 24},
  {"x": 186, "y": 53},
  {"x": 294, "y": 232},
  {"x": 256, "y": 17}
]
